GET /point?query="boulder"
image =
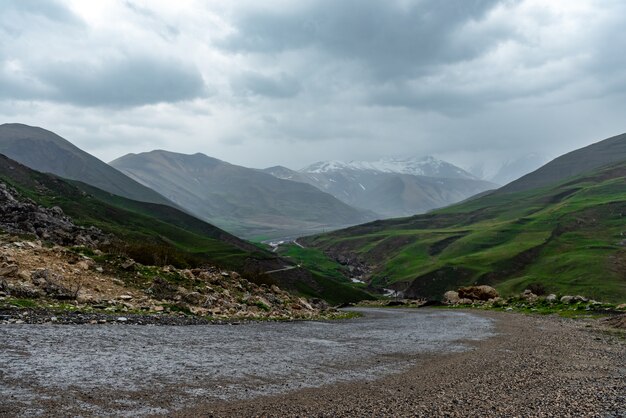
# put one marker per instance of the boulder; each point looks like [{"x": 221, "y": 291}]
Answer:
[
  {"x": 451, "y": 297},
  {"x": 551, "y": 298},
  {"x": 528, "y": 296},
  {"x": 567, "y": 299},
  {"x": 482, "y": 292}
]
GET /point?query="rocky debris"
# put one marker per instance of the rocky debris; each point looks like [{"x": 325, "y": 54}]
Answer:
[
  {"x": 25, "y": 217},
  {"x": 48, "y": 276},
  {"x": 482, "y": 292},
  {"x": 527, "y": 300}
]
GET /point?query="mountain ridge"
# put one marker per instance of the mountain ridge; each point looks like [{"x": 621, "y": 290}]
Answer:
[
  {"x": 247, "y": 201},
  {"x": 387, "y": 187},
  {"x": 45, "y": 151}
]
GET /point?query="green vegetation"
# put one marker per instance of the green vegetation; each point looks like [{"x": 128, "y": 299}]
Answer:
[
  {"x": 568, "y": 239},
  {"x": 328, "y": 274},
  {"x": 159, "y": 235}
]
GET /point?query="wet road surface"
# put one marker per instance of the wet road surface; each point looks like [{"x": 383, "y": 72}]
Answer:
[{"x": 134, "y": 370}]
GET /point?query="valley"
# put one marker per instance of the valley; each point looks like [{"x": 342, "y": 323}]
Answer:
[{"x": 406, "y": 208}]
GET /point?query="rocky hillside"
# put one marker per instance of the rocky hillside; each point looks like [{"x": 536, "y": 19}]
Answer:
[
  {"x": 76, "y": 272},
  {"x": 53, "y": 281},
  {"x": 25, "y": 217}
]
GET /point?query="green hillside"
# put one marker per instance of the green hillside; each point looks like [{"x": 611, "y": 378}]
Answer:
[
  {"x": 567, "y": 238},
  {"x": 159, "y": 234}
]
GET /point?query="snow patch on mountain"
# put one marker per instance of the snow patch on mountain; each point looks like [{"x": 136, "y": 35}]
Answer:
[{"x": 426, "y": 166}]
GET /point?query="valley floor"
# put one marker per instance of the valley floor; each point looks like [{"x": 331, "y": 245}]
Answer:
[{"x": 391, "y": 362}]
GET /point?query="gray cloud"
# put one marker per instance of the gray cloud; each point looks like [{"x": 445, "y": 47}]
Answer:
[
  {"x": 281, "y": 86},
  {"x": 123, "y": 82},
  {"x": 391, "y": 38},
  {"x": 292, "y": 82},
  {"x": 131, "y": 81}
]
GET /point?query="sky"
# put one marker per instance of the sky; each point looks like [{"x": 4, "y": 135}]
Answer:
[{"x": 263, "y": 83}]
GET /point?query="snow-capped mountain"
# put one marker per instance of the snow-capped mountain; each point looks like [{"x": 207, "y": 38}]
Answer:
[
  {"x": 390, "y": 187},
  {"x": 426, "y": 166}
]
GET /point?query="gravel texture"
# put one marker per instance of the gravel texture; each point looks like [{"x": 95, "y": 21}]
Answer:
[
  {"x": 534, "y": 367},
  {"x": 392, "y": 362}
]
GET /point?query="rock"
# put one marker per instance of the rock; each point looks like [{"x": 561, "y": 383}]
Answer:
[
  {"x": 451, "y": 297},
  {"x": 194, "y": 298},
  {"x": 9, "y": 271},
  {"x": 162, "y": 289},
  {"x": 579, "y": 298},
  {"x": 465, "y": 301},
  {"x": 303, "y": 302},
  {"x": 83, "y": 265},
  {"x": 482, "y": 292},
  {"x": 567, "y": 299},
  {"x": 121, "y": 319},
  {"x": 128, "y": 264},
  {"x": 621, "y": 306},
  {"x": 551, "y": 298},
  {"x": 125, "y": 297},
  {"x": 528, "y": 295}
]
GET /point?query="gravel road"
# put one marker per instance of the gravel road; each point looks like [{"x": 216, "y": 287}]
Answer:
[
  {"x": 127, "y": 370},
  {"x": 391, "y": 362}
]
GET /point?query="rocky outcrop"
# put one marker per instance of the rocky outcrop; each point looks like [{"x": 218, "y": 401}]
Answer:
[
  {"x": 482, "y": 292},
  {"x": 25, "y": 217}
]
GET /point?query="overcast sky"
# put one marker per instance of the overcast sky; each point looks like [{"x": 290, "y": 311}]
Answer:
[{"x": 269, "y": 82}]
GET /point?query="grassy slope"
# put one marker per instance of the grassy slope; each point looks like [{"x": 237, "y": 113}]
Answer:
[
  {"x": 160, "y": 231},
  {"x": 566, "y": 237},
  {"x": 329, "y": 274}
]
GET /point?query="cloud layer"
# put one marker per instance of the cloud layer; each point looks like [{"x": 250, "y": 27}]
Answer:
[{"x": 286, "y": 82}]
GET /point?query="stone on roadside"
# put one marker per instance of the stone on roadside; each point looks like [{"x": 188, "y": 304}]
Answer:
[
  {"x": 482, "y": 292},
  {"x": 451, "y": 297}
]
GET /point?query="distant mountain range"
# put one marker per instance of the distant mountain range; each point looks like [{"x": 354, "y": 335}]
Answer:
[
  {"x": 47, "y": 152},
  {"x": 248, "y": 202},
  {"x": 426, "y": 166},
  {"x": 391, "y": 187}
]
